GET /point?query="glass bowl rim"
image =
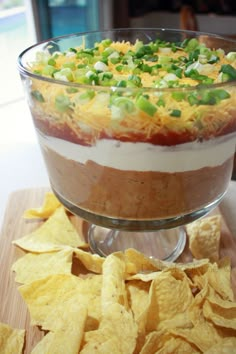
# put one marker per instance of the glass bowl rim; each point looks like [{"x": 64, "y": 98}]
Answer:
[{"x": 24, "y": 71}]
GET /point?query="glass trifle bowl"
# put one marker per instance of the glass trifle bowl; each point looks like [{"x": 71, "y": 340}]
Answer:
[{"x": 137, "y": 128}]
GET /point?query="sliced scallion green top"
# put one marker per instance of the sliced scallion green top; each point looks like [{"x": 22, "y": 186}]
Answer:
[
  {"x": 146, "y": 106},
  {"x": 158, "y": 64}
]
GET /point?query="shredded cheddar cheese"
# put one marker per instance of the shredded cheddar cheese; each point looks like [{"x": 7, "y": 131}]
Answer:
[{"x": 97, "y": 90}]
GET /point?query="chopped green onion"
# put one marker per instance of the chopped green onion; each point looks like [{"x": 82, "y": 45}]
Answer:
[
  {"x": 124, "y": 103},
  {"x": 202, "y": 59},
  {"x": 119, "y": 68},
  {"x": 151, "y": 58},
  {"x": 100, "y": 66},
  {"x": 164, "y": 60},
  {"x": 48, "y": 70},
  {"x": 221, "y": 94},
  {"x": 38, "y": 96},
  {"x": 71, "y": 90},
  {"x": 206, "y": 52},
  {"x": 224, "y": 77},
  {"x": 64, "y": 74},
  {"x": 52, "y": 62},
  {"x": 86, "y": 56},
  {"x": 193, "y": 56},
  {"x": 136, "y": 71},
  {"x": 106, "y": 42},
  {"x": 207, "y": 97},
  {"x": 161, "y": 102},
  {"x": 178, "y": 72},
  {"x": 192, "y": 44},
  {"x": 87, "y": 96},
  {"x": 155, "y": 69},
  {"x": 70, "y": 65},
  {"x": 194, "y": 74},
  {"x": 138, "y": 45},
  {"x": 111, "y": 82},
  {"x": 146, "y": 106},
  {"x": 145, "y": 49},
  {"x": 192, "y": 99},
  {"x": 115, "y": 60},
  {"x": 105, "y": 75},
  {"x": 154, "y": 46},
  {"x": 62, "y": 103},
  {"x": 135, "y": 80},
  {"x": 138, "y": 62},
  {"x": 202, "y": 98},
  {"x": 231, "y": 56},
  {"x": 230, "y": 70},
  {"x": 213, "y": 59},
  {"x": 108, "y": 51},
  {"x": 184, "y": 43},
  {"x": 121, "y": 83},
  {"x": 86, "y": 52},
  {"x": 172, "y": 83},
  {"x": 42, "y": 57},
  {"x": 178, "y": 95},
  {"x": 83, "y": 80},
  {"x": 145, "y": 68},
  {"x": 104, "y": 78},
  {"x": 93, "y": 77},
  {"x": 81, "y": 66},
  {"x": 173, "y": 48},
  {"x": 176, "y": 113}
]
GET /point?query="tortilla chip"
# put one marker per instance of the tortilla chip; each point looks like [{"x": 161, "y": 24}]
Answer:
[
  {"x": 48, "y": 298},
  {"x": 113, "y": 284},
  {"x": 164, "y": 342},
  {"x": 92, "y": 262},
  {"x": 225, "y": 346},
  {"x": 177, "y": 346},
  {"x": 34, "y": 266},
  {"x": 11, "y": 339},
  {"x": 169, "y": 296},
  {"x": 130, "y": 303},
  {"x": 204, "y": 237},
  {"x": 195, "y": 309},
  {"x": 56, "y": 232},
  {"x": 136, "y": 262},
  {"x": 197, "y": 267},
  {"x": 116, "y": 334},
  {"x": 144, "y": 277},
  {"x": 68, "y": 336},
  {"x": 203, "y": 335},
  {"x": 221, "y": 312},
  {"x": 50, "y": 204},
  {"x": 117, "y": 331},
  {"x": 138, "y": 295},
  {"x": 219, "y": 277},
  {"x": 154, "y": 341}
]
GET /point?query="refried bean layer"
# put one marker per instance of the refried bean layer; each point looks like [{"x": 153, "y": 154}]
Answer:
[{"x": 132, "y": 194}]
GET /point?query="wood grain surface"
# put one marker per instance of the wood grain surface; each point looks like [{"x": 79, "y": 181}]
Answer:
[{"x": 13, "y": 310}]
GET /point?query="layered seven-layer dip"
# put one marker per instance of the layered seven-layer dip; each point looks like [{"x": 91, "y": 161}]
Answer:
[{"x": 137, "y": 131}]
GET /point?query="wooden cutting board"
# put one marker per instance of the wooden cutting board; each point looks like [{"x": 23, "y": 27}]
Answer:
[{"x": 13, "y": 310}]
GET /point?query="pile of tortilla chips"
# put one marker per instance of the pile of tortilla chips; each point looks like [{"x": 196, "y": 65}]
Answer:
[{"x": 124, "y": 303}]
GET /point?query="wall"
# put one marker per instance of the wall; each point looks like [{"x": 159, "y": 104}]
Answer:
[{"x": 225, "y": 25}]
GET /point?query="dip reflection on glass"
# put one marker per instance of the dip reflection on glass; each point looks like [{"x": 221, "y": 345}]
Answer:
[{"x": 141, "y": 129}]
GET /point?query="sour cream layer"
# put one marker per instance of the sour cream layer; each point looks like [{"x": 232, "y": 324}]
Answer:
[{"x": 145, "y": 156}]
